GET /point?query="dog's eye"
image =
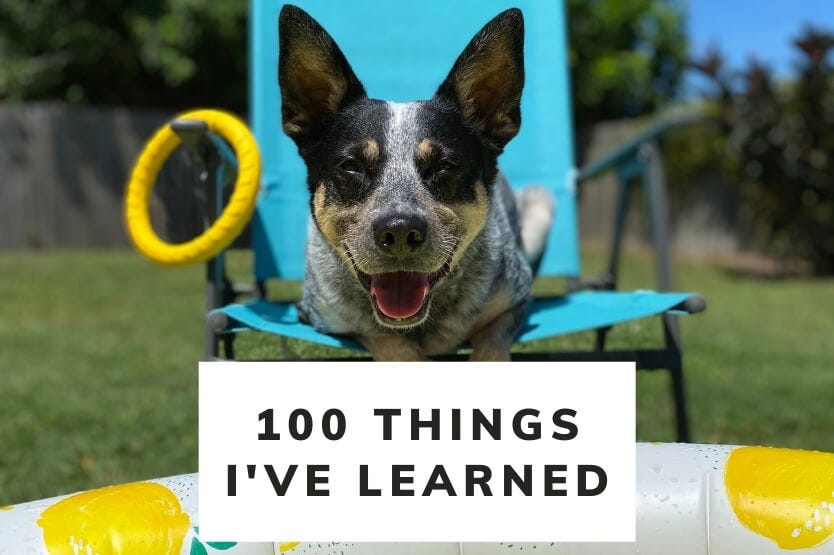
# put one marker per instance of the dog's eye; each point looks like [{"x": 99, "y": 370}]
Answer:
[
  {"x": 444, "y": 165},
  {"x": 352, "y": 166},
  {"x": 439, "y": 168}
]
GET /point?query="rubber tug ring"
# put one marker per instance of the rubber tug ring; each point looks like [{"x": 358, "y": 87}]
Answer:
[{"x": 232, "y": 219}]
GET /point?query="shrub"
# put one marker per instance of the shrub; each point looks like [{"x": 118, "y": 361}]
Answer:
[{"x": 778, "y": 143}]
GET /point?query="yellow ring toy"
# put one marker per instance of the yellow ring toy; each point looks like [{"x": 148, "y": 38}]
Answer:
[{"x": 235, "y": 215}]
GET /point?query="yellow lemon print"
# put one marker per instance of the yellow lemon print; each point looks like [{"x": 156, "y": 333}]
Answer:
[
  {"x": 7, "y": 508},
  {"x": 783, "y": 494},
  {"x": 116, "y": 520},
  {"x": 286, "y": 546}
]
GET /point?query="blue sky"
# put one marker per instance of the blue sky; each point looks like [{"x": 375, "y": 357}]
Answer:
[{"x": 761, "y": 28}]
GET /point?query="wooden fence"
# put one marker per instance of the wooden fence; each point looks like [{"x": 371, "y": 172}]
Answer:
[{"x": 64, "y": 171}]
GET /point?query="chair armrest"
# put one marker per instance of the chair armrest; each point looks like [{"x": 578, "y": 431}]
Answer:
[
  {"x": 639, "y": 157},
  {"x": 627, "y": 152}
]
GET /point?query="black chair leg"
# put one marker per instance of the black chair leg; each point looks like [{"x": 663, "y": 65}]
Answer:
[
  {"x": 602, "y": 333},
  {"x": 681, "y": 419},
  {"x": 229, "y": 346}
]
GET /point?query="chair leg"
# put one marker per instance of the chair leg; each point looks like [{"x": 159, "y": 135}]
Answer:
[
  {"x": 229, "y": 346},
  {"x": 601, "y": 335},
  {"x": 672, "y": 338},
  {"x": 211, "y": 344},
  {"x": 213, "y": 297},
  {"x": 681, "y": 417}
]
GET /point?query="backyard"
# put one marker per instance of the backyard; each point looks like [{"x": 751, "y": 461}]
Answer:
[{"x": 99, "y": 352}]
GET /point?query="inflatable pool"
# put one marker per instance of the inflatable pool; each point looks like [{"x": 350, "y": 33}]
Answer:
[{"x": 691, "y": 500}]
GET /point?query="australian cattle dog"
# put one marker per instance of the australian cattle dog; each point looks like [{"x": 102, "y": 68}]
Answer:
[{"x": 417, "y": 244}]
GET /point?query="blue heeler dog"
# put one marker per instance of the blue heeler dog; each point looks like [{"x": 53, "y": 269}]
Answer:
[{"x": 417, "y": 244}]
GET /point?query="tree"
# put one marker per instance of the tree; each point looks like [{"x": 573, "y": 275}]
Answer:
[
  {"x": 779, "y": 140},
  {"x": 626, "y": 56},
  {"x": 155, "y": 53}
]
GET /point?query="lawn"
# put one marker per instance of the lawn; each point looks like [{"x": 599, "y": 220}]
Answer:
[{"x": 99, "y": 351}]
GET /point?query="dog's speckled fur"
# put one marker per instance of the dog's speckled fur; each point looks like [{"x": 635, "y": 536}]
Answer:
[{"x": 434, "y": 161}]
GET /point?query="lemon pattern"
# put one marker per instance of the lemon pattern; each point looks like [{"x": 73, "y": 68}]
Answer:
[
  {"x": 132, "y": 518},
  {"x": 784, "y": 495}
]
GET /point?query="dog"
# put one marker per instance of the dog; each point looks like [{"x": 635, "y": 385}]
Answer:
[{"x": 417, "y": 243}]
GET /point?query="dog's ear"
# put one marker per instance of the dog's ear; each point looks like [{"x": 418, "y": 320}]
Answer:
[
  {"x": 315, "y": 78},
  {"x": 486, "y": 81}
]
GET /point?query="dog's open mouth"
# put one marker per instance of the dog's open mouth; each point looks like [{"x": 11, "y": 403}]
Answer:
[{"x": 401, "y": 296}]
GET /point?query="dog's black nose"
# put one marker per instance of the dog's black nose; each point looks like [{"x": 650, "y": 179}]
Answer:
[{"x": 400, "y": 232}]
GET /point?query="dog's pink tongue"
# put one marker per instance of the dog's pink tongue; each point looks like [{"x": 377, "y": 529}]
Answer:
[{"x": 400, "y": 294}]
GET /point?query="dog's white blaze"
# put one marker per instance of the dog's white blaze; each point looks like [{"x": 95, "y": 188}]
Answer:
[
  {"x": 402, "y": 119},
  {"x": 401, "y": 140}
]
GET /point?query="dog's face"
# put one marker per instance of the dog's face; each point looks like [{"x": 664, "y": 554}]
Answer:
[{"x": 400, "y": 191}]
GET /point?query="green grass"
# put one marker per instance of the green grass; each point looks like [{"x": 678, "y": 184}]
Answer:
[
  {"x": 98, "y": 380},
  {"x": 99, "y": 351}
]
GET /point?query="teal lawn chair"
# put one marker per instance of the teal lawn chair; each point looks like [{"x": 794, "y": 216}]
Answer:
[{"x": 401, "y": 52}]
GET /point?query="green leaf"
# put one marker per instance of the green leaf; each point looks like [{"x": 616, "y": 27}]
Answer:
[{"x": 197, "y": 548}]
